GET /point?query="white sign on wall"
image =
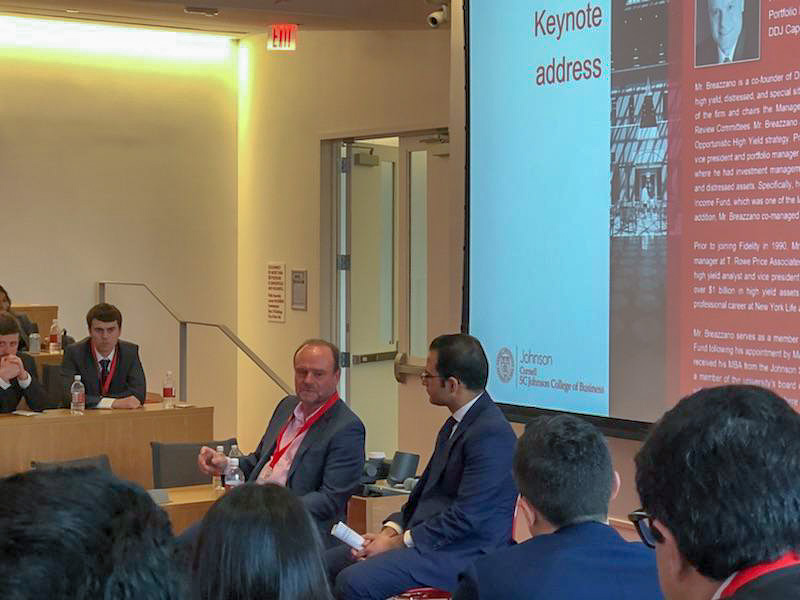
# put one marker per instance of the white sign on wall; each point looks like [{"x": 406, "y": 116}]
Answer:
[{"x": 276, "y": 292}]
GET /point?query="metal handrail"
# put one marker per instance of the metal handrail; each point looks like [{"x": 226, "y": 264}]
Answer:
[{"x": 183, "y": 339}]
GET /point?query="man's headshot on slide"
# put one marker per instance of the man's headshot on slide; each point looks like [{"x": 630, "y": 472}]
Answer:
[{"x": 726, "y": 31}]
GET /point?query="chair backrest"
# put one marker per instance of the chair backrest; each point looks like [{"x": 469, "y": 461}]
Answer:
[
  {"x": 175, "y": 465},
  {"x": 51, "y": 381},
  {"x": 100, "y": 461}
]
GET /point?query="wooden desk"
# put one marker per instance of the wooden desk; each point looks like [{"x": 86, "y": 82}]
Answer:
[
  {"x": 365, "y": 514},
  {"x": 41, "y": 314},
  {"x": 46, "y": 358},
  {"x": 188, "y": 505},
  {"x": 124, "y": 435}
]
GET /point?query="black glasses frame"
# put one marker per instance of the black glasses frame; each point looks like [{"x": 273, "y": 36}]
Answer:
[{"x": 648, "y": 532}]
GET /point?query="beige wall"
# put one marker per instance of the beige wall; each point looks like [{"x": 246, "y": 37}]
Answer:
[
  {"x": 121, "y": 167},
  {"x": 335, "y": 84}
]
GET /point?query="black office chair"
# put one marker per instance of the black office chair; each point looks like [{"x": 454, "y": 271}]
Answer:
[
  {"x": 51, "y": 381},
  {"x": 175, "y": 465},
  {"x": 100, "y": 461}
]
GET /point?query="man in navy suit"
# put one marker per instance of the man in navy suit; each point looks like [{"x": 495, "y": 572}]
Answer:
[
  {"x": 463, "y": 505},
  {"x": 313, "y": 445},
  {"x": 563, "y": 469},
  {"x": 110, "y": 368}
]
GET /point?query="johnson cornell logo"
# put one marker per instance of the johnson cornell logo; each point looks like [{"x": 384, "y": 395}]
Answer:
[{"x": 505, "y": 365}]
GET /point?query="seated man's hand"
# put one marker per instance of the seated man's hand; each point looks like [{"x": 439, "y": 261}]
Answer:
[
  {"x": 9, "y": 368},
  {"x": 126, "y": 402},
  {"x": 211, "y": 462},
  {"x": 377, "y": 543}
]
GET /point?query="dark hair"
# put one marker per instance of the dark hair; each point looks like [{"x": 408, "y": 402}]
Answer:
[
  {"x": 258, "y": 542},
  {"x": 562, "y": 466},
  {"x": 83, "y": 534},
  {"x": 721, "y": 470},
  {"x": 9, "y": 324},
  {"x": 324, "y": 344},
  {"x": 3, "y": 292},
  {"x": 461, "y": 356},
  {"x": 105, "y": 313}
]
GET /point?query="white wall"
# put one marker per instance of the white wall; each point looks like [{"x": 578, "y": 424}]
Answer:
[
  {"x": 122, "y": 167},
  {"x": 336, "y": 83}
]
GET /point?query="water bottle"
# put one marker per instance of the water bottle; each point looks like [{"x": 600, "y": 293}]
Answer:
[
  {"x": 35, "y": 343},
  {"x": 233, "y": 474},
  {"x": 235, "y": 452},
  {"x": 216, "y": 480},
  {"x": 55, "y": 337},
  {"x": 78, "y": 396},
  {"x": 168, "y": 391}
]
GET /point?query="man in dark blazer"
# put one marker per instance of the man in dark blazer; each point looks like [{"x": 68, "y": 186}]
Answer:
[
  {"x": 314, "y": 443},
  {"x": 18, "y": 378},
  {"x": 110, "y": 368},
  {"x": 562, "y": 466},
  {"x": 733, "y": 38},
  {"x": 718, "y": 480},
  {"x": 463, "y": 505}
]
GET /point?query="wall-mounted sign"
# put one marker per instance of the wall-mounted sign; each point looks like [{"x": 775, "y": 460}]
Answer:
[
  {"x": 282, "y": 37},
  {"x": 276, "y": 292},
  {"x": 299, "y": 290}
]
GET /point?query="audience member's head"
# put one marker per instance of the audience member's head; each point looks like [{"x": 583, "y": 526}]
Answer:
[
  {"x": 719, "y": 481},
  {"x": 105, "y": 326},
  {"x": 456, "y": 359},
  {"x": 5, "y": 300},
  {"x": 82, "y": 534},
  {"x": 258, "y": 542},
  {"x": 9, "y": 334},
  {"x": 563, "y": 470}
]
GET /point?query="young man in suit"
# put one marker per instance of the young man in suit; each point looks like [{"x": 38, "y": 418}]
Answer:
[
  {"x": 718, "y": 480},
  {"x": 110, "y": 368},
  {"x": 18, "y": 377},
  {"x": 463, "y": 504},
  {"x": 313, "y": 445},
  {"x": 562, "y": 467}
]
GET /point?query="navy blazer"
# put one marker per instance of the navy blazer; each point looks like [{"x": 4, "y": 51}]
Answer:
[
  {"x": 463, "y": 505},
  {"x": 34, "y": 393},
  {"x": 588, "y": 560},
  {"x": 128, "y": 379},
  {"x": 327, "y": 467}
]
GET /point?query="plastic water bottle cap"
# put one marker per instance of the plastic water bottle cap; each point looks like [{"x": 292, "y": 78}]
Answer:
[{"x": 77, "y": 377}]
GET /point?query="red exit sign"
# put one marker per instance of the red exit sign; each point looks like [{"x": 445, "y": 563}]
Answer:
[{"x": 283, "y": 37}]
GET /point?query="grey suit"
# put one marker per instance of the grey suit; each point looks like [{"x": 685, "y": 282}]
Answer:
[
  {"x": 327, "y": 467},
  {"x": 128, "y": 379}
]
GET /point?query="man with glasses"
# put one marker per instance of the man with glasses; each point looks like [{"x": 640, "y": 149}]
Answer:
[
  {"x": 719, "y": 481},
  {"x": 562, "y": 467},
  {"x": 463, "y": 505}
]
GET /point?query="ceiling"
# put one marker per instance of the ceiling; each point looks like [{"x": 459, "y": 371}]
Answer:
[{"x": 237, "y": 17}]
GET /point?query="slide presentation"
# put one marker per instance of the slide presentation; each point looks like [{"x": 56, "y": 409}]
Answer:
[{"x": 634, "y": 199}]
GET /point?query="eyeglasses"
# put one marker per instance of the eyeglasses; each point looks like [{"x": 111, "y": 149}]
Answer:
[
  {"x": 644, "y": 527},
  {"x": 424, "y": 376}
]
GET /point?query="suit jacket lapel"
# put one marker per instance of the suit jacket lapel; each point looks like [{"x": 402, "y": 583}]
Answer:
[
  {"x": 437, "y": 467},
  {"x": 312, "y": 435},
  {"x": 271, "y": 435},
  {"x": 91, "y": 368}
]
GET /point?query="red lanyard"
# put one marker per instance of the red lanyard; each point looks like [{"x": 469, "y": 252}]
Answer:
[
  {"x": 747, "y": 575},
  {"x": 279, "y": 452},
  {"x": 105, "y": 384}
]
